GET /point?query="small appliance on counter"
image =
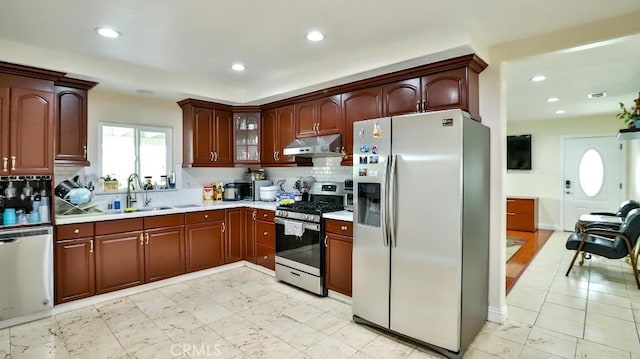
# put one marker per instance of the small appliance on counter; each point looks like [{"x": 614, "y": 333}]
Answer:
[{"x": 232, "y": 191}]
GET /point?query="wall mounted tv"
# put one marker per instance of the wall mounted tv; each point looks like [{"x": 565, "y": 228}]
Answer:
[{"x": 519, "y": 152}]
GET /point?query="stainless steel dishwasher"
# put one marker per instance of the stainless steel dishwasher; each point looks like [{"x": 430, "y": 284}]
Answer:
[{"x": 26, "y": 271}]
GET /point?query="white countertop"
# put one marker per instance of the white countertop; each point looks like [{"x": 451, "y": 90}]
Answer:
[
  {"x": 84, "y": 218},
  {"x": 341, "y": 215}
]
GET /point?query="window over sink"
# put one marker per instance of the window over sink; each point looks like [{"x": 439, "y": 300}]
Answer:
[{"x": 125, "y": 149}]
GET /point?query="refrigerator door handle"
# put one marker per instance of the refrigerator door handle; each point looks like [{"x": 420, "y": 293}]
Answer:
[
  {"x": 385, "y": 208},
  {"x": 392, "y": 201}
]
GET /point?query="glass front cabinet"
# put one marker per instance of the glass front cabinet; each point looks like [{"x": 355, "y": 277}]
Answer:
[{"x": 247, "y": 137}]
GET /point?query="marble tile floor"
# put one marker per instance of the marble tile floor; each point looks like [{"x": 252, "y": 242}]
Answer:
[{"x": 244, "y": 313}]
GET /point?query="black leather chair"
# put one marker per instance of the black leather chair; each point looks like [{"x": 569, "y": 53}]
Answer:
[
  {"x": 608, "y": 242},
  {"x": 625, "y": 208}
]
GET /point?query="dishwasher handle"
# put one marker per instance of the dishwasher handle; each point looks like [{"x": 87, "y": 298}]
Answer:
[{"x": 9, "y": 241}]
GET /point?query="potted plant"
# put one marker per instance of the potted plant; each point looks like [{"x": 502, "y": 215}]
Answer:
[
  {"x": 630, "y": 117},
  {"x": 109, "y": 184}
]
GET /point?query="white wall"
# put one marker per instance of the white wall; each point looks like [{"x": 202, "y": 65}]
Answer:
[{"x": 545, "y": 179}]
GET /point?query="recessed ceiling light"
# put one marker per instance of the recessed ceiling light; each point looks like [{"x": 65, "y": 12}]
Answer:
[
  {"x": 560, "y": 112},
  {"x": 238, "y": 67},
  {"x": 144, "y": 92},
  {"x": 600, "y": 94},
  {"x": 538, "y": 78},
  {"x": 553, "y": 99},
  {"x": 315, "y": 36},
  {"x": 107, "y": 32}
]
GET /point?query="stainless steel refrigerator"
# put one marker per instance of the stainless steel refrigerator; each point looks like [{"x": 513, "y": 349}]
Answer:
[{"x": 421, "y": 227}]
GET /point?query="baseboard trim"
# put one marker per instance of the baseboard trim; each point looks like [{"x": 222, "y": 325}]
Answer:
[
  {"x": 551, "y": 227},
  {"x": 497, "y": 315}
]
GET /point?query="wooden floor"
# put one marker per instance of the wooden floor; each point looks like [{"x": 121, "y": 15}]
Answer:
[{"x": 521, "y": 259}]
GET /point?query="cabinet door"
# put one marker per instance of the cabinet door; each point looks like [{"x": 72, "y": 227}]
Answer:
[
  {"x": 338, "y": 263},
  {"x": 202, "y": 130},
  {"x": 402, "y": 97},
  {"x": 445, "y": 90},
  {"x": 31, "y": 131},
  {"x": 286, "y": 133},
  {"x": 329, "y": 115},
  {"x": 305, "y": 119},
  {"x": 74, "y": 270},
  {"x": 357, "y": 106},
  {"x": 269, "y": 136},
  {"x": 119, "y": 261},
  {"x": 247, "y": 140},
  {"x": 71, "y": 126},
  {"x": 4, "y": 129},
  {"x": 204, "y": 246},
  {"x": 164, "y": 253},
  {"x": 233, "y": 235},
  {"x": 249, "y": 248},
  {"x": 222, "y": 138}
]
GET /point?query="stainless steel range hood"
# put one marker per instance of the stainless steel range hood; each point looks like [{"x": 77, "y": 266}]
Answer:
[{"x": 320, "y": 146}]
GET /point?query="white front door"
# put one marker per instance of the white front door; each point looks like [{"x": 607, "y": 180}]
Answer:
[{"x": 593, "y": 177}]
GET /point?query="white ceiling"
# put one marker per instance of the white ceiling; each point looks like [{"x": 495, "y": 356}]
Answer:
[{"x": 181, "y": 49}]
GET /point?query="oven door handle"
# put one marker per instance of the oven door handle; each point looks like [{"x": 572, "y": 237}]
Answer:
[{"x": 310, "y": 226}]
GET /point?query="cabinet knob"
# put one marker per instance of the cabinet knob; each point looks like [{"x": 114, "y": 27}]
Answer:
[
  {"x": 76, "y": 231},
  {"x": 265, "y": 233},
  {"x": 13, "y": 163},
  {"x": 266, "y": 257},
  {"x": 206, "y": 216},
  {"x": 344, "y": 228},
  {"x": 5, "y": 164},
  {"x": 265, "y": 215}
]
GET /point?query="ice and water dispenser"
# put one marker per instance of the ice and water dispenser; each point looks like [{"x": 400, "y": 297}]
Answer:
[{"x": 369, "y": 202}]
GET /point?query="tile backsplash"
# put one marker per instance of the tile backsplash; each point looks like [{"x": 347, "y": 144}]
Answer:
[{"x": 189, "y": 181}]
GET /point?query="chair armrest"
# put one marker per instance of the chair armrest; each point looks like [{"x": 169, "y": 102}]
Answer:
[
  {"x": 602, "y": 225},
  {"x": 604, "y": 214},
  {"x": 605, "y": 232}
]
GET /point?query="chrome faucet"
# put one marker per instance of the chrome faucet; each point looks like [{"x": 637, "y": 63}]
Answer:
[{"x": 131, "y": 199}]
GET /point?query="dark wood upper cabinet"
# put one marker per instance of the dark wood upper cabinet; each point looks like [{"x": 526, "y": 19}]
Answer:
[
  {"x": 30, "y": 132},
  {"x": 402, "y": 97},
  {"x": 4, "y": 129},
  {"x": 278, "y": 131},
  {"x": 318, "y": 117},
  {"x": 207, "y": 134},
  {"x": 71, "y": 122},
  {"x": 457, "y": 88},
  {"x": 247, "y": 137},
  {"x": 358, "y": 105}
]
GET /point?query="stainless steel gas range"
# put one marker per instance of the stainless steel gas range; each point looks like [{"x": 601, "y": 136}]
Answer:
[{"x": 300, "y": 250}]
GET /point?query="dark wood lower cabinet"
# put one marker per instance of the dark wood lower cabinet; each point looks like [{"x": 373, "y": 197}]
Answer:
[
  {"x": 249, "y": 245},
  {"x": 74, "y": 269},
  {"x": 204, "y": 246},
  {"x": 339, "y": 249},
  {"x": 234, "y": 225},
  {"x": 119, "y": 261},
  {"x": 164, "y": 253},
  {"x": 266, "y": 256},
  {"x": 265, "y": 239}
]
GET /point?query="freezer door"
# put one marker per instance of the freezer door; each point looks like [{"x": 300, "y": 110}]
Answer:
[
  {"x": 426, "y": 215},
  {"x": 370, "y": 285}
]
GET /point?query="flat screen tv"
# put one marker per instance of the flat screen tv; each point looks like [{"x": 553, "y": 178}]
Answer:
[{"x": 519, "y": 152}]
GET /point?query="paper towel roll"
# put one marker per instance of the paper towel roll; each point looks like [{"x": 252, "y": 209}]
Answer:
[{"x": 44, "y": 213}]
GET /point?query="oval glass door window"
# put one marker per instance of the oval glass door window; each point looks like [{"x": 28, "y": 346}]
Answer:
[{"x": 591, "y": 172}]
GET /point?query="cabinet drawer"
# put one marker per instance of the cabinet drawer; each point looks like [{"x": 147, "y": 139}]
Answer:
[
  {"x": 168, "y": 220},
  {"x": 72, "y": 231},
  {"x": 520, "y": 205},
  {"x": 265, "y": 215},
  {"x": 266, "y": 233},
  {"x": 205, "y": 217},
  {"x": 339, "y": 227},
  {"x": 266, "y": 256},
  {"x": 521, "y": 222},
  {"x": 118, "y": 226}
]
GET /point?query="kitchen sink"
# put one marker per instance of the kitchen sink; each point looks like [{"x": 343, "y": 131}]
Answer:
[
  {"x": 187, "y": 206},
  {"x": 151, "y": 209}
]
